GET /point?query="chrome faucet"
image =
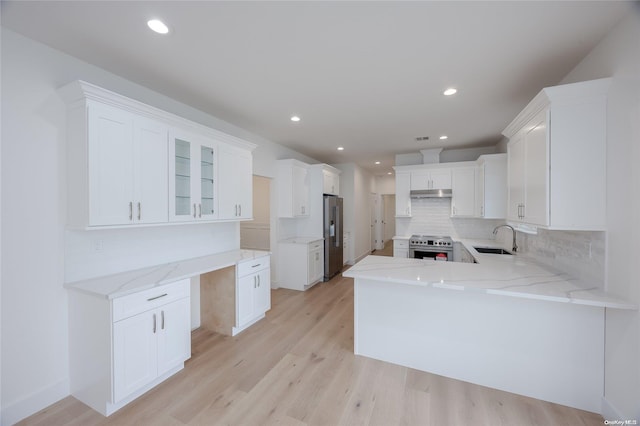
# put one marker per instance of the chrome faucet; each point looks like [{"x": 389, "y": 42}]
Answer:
[{"x": 515, "y": 246}]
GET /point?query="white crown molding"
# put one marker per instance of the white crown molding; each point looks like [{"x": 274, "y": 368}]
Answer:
[{"x": 80, "y": 91}]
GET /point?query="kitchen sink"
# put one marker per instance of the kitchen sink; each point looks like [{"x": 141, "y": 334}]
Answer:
[{"x": 491, "y": 250}]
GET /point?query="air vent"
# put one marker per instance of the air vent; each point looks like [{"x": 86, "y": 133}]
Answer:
[{"x": 422, "y": 138}]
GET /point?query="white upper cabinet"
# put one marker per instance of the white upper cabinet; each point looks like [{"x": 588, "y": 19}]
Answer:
[
  {"x": 435, "y": 178},
  {"x": 293, "y": 188},
  {"x": 491, "y": 186},
  {"x": 403, "y": 188},
  {"x": 192, "y": 186},
  {"x": 557, "y": 157},
  {"x": 235, "y": 191},
  {"x": 132, "y": 164},
  {"x": 117, "y": 171},
  {"x": 330, "y": 182},
  {"x": 463, "y": 190}
]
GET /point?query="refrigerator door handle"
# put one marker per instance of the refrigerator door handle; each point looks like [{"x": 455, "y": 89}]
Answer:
[{"x": 338, "y": 225}]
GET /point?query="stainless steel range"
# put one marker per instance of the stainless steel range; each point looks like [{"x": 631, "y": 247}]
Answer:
[{"x": 431, "y": 247}]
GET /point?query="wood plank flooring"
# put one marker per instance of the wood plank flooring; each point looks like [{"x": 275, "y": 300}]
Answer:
[{"x": 297, "y": 367}]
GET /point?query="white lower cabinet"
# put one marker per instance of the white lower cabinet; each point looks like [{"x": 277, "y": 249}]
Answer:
[
  {"x": 148, "y": 345},
  {"x": 301, "y": 263},
  {"x": 400, "y": 247},
  {"x": 234, "y": 298},
  {"x": 253, "y": 293},
  {"x": 121, "y": 348}
]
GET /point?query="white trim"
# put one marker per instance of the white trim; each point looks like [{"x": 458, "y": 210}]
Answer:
[
  {"x": 77, "y": 91},
  {"x": 609, "y": 412},
  {"x": 35, "y": 402}
]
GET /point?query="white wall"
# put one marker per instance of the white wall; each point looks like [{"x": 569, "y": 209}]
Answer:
[
  {"x": 356, "y": 187},
  {"x": 37, "y": 254},
  {"x": 385, "y": 184},
  {"x": 618, "y": 55}
]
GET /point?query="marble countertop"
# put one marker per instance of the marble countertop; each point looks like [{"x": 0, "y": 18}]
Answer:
[
  {"x": 505, "y": 275},
  {"x": 124, "y": 283},
  {"x": 301, "y": 240}
]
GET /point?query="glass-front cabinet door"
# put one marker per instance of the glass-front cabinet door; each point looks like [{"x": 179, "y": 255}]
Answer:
[
  {"x": 192, "y": 178},
  {"x": 206, "y": 207}
]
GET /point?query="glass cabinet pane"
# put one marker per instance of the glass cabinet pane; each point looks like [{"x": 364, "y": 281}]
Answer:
[
  {"x": 183, "y": 177},
  {"x": 206, "y": 179}
]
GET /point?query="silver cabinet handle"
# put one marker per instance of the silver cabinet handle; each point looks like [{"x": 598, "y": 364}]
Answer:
[
  {"x": 154, "y": 323},
  {"x": 139, "y": 210},
  {"x": 240, "y": 209},
  {"x": 255, "y": 266},
  {"x": 258, "y": 280},
  {"x": 254, "y": 281},
  {"x": 194, "y": 210},
  {"x": 199, "y": 210},
  {"x": 130, "y": 210},
  {"x": 236, "y": 206},
  {"x": 157, "y": 297},
  {"x": 162, "y": 320}
]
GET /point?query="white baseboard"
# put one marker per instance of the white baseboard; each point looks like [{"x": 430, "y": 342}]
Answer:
[
  {"x": 609, "y": 412},
  {"x": 35, "y": 402}
]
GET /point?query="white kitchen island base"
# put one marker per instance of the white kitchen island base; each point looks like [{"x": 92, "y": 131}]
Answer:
[{"x": 541, "y": 349}]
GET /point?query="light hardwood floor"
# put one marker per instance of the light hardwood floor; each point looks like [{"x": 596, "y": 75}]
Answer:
[{"x": 297, "y": 367}]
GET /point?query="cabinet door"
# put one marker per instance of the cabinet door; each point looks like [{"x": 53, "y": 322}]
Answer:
[
  {"x": 300, "y": 191},
  {"x": 110, "y": 166},
  {"x": 536, "y": 210},
  {"x": 316, "y": 265},
  {"x": 244, "y": 298},
  {"x": 516, "y": 172},
  {"x": 330, "y": 183},
  {"x": 479, "y": 206},
  {"x": 441, "y": 179},
  {"x": 419, "y": 180},
  {"x": 236, "y": 183},
  {"x": 403, "y": 200},
  {"x": 184, "y": 173},
  {"x": 463, "y": 200},
  {"x": 134, "y": 353},
  {"x": 150, "y": 172},
  {"x": 206, "y": 164},
  {"x": 174, "y": 334},
  {"x": 262, "y": 293}
]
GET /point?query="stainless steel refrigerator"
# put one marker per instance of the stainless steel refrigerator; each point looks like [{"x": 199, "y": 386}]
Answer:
[{"x": 332, "y": 236}]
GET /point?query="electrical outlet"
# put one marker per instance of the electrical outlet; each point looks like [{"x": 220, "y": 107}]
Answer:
[{"x": 97, "y": 245}]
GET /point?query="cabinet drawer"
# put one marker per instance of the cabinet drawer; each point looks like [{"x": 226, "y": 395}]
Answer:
[
  {"x": 401, "y": 244},
  {"x": 253, "y": 265},
  {"x": 126, "y": 306},
  {"x": 316, "y": 245}
]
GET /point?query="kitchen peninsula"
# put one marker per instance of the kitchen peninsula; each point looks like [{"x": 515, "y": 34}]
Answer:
[{"x": 505, "y": 322}]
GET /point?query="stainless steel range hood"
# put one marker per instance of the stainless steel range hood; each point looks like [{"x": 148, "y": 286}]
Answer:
[{"x": 430, "y": 193}]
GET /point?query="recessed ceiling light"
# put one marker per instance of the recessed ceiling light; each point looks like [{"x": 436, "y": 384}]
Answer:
[
  {"x": 295, "y": 118},
  {"x": 450, "y": 91},
  {"x": 341, "y": 148},
  {"x": 443, "y": 137},
  {"x": 158, "y": 26},
  {"x": 389, "y": 173},
  {"x": 377, "y": 162}
]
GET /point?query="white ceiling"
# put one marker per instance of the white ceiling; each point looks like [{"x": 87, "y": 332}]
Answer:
[{"x": 364, "y": 75}]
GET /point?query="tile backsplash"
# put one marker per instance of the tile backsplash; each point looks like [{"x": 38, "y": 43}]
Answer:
[
  {"x": 580, "y": 254},
  {"x": 432, "y": 216}
]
